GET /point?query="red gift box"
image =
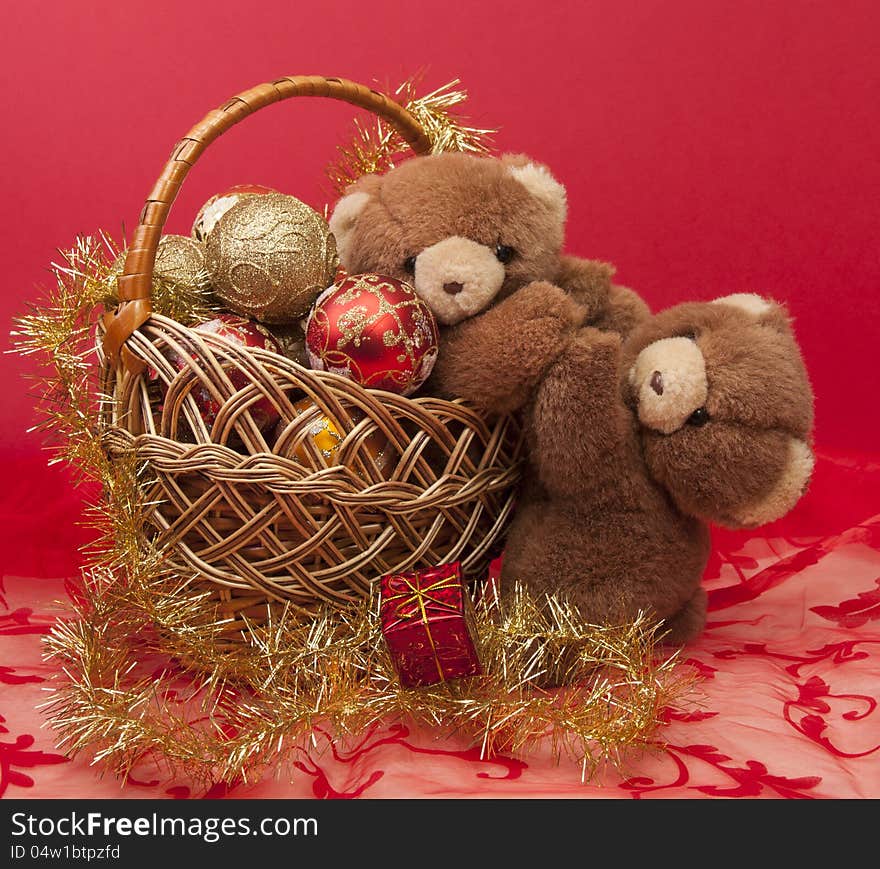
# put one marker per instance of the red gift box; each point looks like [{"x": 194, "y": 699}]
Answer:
[{"x": 427, "y": 624}]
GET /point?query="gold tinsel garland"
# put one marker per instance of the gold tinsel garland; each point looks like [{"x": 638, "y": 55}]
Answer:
[
  {"x": 146, "y": 677},
  {"x": 377, "y": 146}
]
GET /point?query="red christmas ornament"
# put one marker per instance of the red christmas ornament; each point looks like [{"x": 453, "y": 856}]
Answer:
[
  {"x": 243, "y": 333},
  {"x": 220, "y": 203},
  {"x": 375, "y": 330}
]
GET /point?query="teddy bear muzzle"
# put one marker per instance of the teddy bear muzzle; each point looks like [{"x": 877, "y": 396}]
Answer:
[
  {"x": 669, "y": 382},
  {"x": 457, "y": 278}
]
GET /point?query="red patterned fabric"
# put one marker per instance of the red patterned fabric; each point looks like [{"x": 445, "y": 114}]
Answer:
[{"x": 790, "y": 660}]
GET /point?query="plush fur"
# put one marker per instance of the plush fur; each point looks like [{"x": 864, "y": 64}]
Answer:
[
  {"x": 642, "y": 430},
  {"x": 615, "y": 508},
  {"x": 476, "y": 233}
]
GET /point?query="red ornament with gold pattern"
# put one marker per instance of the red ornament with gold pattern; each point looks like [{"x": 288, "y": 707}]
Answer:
[
  {"x": 243, "y": 333},
  {"x": 374, "y": 330}
]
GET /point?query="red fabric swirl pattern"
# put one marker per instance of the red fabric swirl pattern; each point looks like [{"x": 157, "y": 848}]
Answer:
[{"x": 790, "y": 667}]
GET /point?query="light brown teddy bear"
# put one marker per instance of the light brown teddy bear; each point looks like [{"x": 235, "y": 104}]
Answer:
[
  {"x": 476, "y": 233},
  {"x": 703, "y": 414},
  {"x": 641, "y": 429}
]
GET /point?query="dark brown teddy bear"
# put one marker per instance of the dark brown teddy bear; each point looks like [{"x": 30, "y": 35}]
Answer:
[
  {"x": 703, "y": 414},
  {"x": 475, "y": 233}
]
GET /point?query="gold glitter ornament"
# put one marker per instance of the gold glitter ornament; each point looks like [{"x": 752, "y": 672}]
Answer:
[
  {"x": 180, "y": 260},
  {"x": 269, "y": 257},
  {"x": 219, "y": 204},
  {"x": 180, "y": 283}
]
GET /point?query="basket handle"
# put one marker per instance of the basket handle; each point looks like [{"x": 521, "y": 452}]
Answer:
[{"x": 135, "y": 283}]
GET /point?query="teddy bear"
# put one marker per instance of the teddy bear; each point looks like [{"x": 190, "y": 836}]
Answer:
[
  {"x": 641, "y": 429},
  {"x": 702, "y": 414},
  {"x": 482, "y": 235}
]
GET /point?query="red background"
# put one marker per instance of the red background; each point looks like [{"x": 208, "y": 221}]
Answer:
[{"x": 707, "y": 147}]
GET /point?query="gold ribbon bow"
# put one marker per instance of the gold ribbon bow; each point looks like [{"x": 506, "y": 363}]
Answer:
[{"x": 422, "y": 597}]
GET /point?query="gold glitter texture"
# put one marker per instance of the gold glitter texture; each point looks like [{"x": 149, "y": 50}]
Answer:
[
  {"x": 180, "y": 260},
  {"x": 269, "y": 257},
  {"x": 181, "y": 287}
]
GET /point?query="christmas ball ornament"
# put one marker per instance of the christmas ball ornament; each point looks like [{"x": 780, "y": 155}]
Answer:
[
  {"x": 181, "y": 261},
  {"x": 243, "y": 333},
  {"x": 219, "y": 204},
  {"x": 315, "y": 440},
  {"x": 375, "y": 330},
  {"x": 269, "y": 257},
  {"x": 180, "y": 287}
]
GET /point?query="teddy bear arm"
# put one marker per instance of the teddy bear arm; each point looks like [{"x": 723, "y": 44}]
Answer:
[
  {"x": 588, "y": 282},
  {"x": 610, "y": 307},
  {"x": 496, "y": 359},
  {"x": 580, "y": 427},
  {"x": 624, "y": 311}
]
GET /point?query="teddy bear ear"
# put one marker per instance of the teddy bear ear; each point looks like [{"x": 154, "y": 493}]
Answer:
[
  {"x": 766, "y": 310},
  {"x": 347, "y": 212},
  {"x": 344, "y": 219},
  {"x": 538, "y": 180},
  {"x": 751, "y": 303},
  {"x": 787, "y": 490}
]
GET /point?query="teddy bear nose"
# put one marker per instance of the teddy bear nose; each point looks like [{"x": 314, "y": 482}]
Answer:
[
  {"x": 453, "y": 288},
  {"x": 657, "y": 382}
]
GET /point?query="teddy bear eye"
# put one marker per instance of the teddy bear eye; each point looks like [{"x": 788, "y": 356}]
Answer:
[
  {"x": 504, "y": 253},
  {"x": 409, "y": 265},
  {"x": 699, "y": 417}
]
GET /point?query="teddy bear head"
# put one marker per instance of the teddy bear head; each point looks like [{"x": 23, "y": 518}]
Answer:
[
  {"x": 463, "y": 230},
  {"x": 724, "y": 407}
]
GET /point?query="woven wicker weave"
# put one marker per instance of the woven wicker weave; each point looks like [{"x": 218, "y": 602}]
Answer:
[{"x": 416, "y": 482}]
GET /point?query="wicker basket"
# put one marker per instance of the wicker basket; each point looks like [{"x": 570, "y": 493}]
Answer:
[{"x": 259, "y": 527}]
